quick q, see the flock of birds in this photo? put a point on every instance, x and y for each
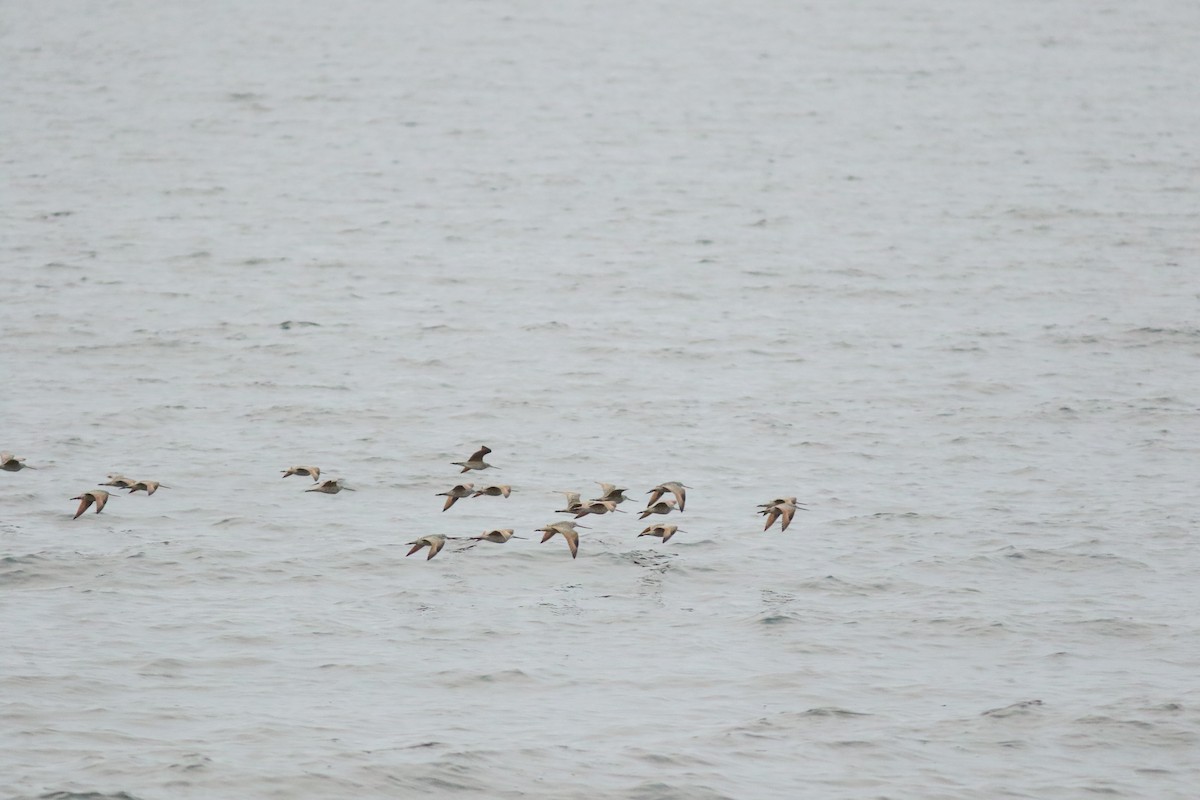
(611, 496)
(97, 497)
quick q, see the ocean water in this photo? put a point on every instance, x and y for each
(930, 266)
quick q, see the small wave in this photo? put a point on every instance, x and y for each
(192, 762)
(162, 668)
(1016, 709)
(657, 790)
(1173, 333)
(833, 711)
(1064, 559)
(1112, 626)
(1100, 719)
(1168, 707)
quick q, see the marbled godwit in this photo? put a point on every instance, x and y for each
(435, 542)
(475, 461)
(118, 480)
(596, 507)
(149, 487)
(573, 503)
(495, 491)
(11, 463)
(776, 502)
(662, 530)
(610, 491)
(781, 508)
(497, 535)
(97, 496)
(315, 472)
(331, 486)
(566, 530)
(661, 507)
(674, 487)
(458, 491)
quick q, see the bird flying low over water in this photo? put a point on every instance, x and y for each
(494, 491)
(609, 491)
(573, 503)
(661, 530)
(97, 496)
(455, 493)
(11, 463)
(497, 535)
(315, 472)
(149, 487)
(475, 461)
(776, 502)
(780, 508)
(595, 507)
(435, 542)
(331, 486)
(674, 487)
(118, 480)
(566, 530)
(661, 507)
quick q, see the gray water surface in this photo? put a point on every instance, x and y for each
(929, 266)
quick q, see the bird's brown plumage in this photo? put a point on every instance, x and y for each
(97, 496)
(674, 487)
